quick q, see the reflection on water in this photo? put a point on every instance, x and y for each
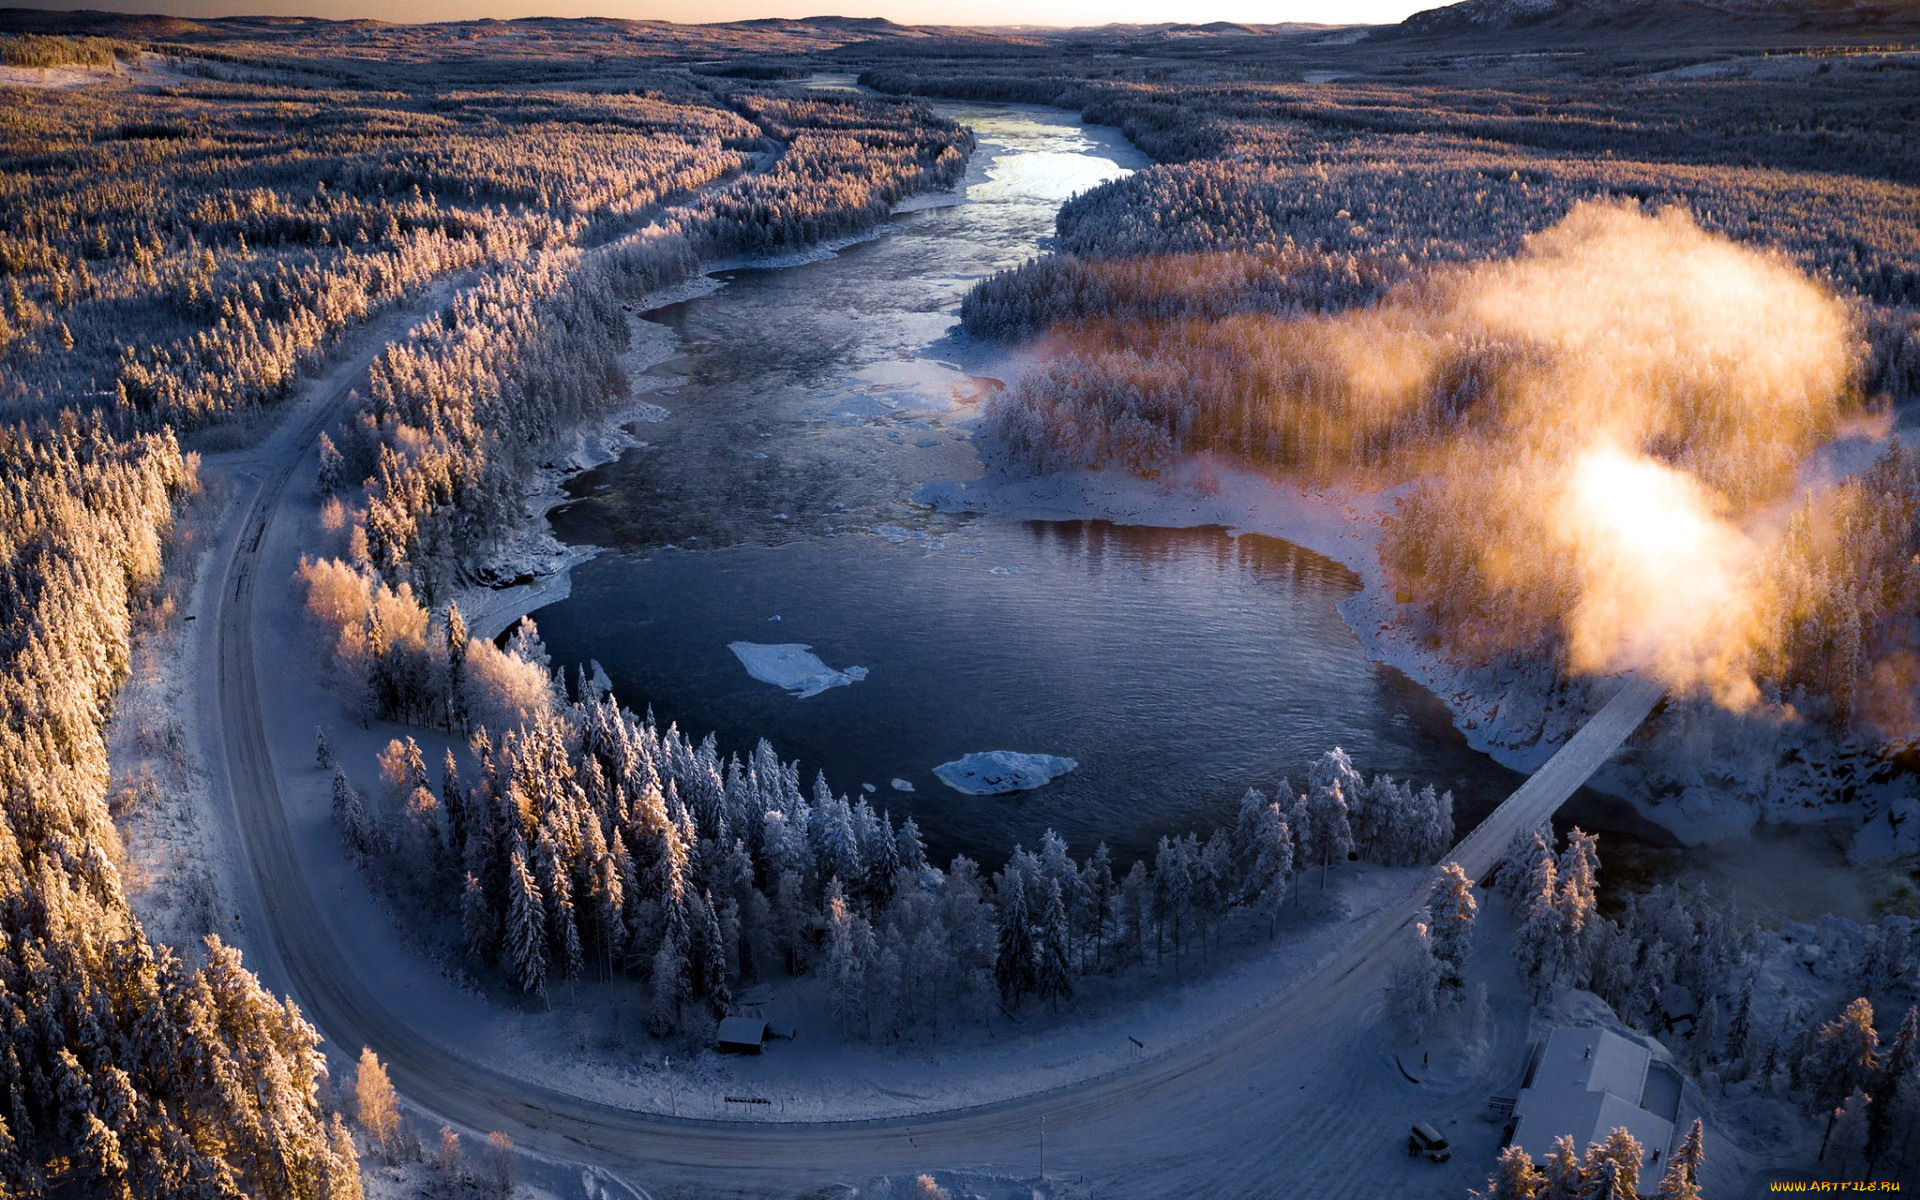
(1179, 668)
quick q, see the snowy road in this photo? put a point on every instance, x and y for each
(1143, 1131)
(1294, 1099)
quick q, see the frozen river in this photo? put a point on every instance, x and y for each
(1177, 668)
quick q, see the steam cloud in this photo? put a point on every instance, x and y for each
(1654, 391)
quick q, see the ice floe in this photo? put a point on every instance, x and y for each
(993, 772)
(794, 666)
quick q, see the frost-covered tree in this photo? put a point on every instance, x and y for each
(1413, 988)
(1842, 1060)
(1682, 1178)
(350, 816)
(1540, 943)
(1016, 967)
(1514, 1177)
(850, 951)
(1330, 782)
(1452, 906)
(376, 1104)
(1054, 975)
(526, 928)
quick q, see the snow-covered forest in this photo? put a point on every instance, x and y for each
(179, 246)
(130, 1069)
(1417, 281)
(594, 844)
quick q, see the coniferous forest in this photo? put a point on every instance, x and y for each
(1438, 278)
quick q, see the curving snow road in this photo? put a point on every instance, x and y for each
(1264, 1107)
(1155, 1121)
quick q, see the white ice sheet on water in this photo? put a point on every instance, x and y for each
(992, 772)
(794, 666)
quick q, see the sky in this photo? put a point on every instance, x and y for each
(908, 12)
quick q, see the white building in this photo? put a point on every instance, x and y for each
(1587, 1083)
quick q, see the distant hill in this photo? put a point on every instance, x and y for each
(97, 24)
(1672, 17)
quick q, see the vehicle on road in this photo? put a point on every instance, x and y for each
(1425, 1139)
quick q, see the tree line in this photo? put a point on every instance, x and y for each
(128, 1068)
(589, 843)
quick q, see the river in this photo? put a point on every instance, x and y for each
(807, 403)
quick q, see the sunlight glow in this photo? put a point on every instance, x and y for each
(1666, 582)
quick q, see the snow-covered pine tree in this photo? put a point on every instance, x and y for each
(1703, 1044)
(1538, 943)
(850, 946)
(1566, 1179)
(836, 845)
(457, 638)
(1579, 874)
(1016, 965)
(332, 471)
(1682, 1178)
(350, 816)
(1246, 841)
(479, 925)
(1895, 1087)
(1329, 782)
(526, 930)
(1843, 1060)
(911, 847)
(1739, 1050)
(1436, 817)
(1514, 1177)
(1413, 987)
(1097, 884)
(711, 956)
(1272, 866)
(669, 987)
(1514, 874)
(1054, 975)
(1453, 908)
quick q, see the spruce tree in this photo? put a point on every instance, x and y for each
(1014, 967)
(1451, 902)
(526, 931)
(1514, 1177)
(1054, 977)
(1682, 1178)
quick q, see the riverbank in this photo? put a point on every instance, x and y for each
(1698, 772)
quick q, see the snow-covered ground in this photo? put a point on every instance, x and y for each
(997, 772)
(176, 848)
